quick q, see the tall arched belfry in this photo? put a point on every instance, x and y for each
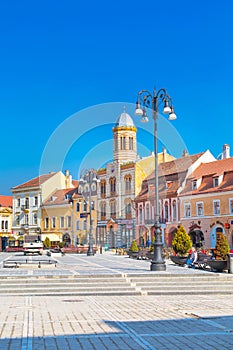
(124, 139)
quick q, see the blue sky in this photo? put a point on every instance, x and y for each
(62, 57)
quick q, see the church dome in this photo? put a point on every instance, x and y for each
(124, 120)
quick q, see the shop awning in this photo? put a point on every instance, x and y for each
(52, 236)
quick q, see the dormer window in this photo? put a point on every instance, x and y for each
(194, 185)
(168, 184)
(215, 182)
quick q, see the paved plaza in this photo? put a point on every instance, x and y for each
(113, 322)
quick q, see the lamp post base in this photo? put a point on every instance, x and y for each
(155, 266)
(158, 263)
(90, 251)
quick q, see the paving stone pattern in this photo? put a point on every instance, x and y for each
(113, 322)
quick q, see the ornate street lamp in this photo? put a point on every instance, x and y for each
(89, 178)
(144, 100)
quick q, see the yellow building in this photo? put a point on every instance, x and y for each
(57, 217)
(6, 235)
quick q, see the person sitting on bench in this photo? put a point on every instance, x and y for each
(192, 258)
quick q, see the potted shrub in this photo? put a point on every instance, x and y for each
(219, 263)
(181, 245)
(133, 250)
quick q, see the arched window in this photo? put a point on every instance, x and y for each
(113, 209)
(103, 188)
(123, 143)
(147, 211)
(103, 211)
(174, 211)
(128, 210)
(140, 214)
(77, 206)
(84, 206)
(128, 180)
(112, 182)
(166, 211)
(131, 143)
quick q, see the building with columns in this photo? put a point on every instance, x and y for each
(119, 183)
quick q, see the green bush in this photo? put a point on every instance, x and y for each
(182, 242)
(222, 247)
(134, 247)
(47, 243)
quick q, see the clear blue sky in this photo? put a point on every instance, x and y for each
(60, 57)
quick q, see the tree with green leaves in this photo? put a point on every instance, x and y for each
(47, 243)
(222, 246)
(182, 242)
(134, 247)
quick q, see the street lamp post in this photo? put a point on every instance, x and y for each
(144, 100)
(89, 178)
(90, 250)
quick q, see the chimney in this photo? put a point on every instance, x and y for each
(164, 155)
(68, 179)
(185, 153)
(225, 151)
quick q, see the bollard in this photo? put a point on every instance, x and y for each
(230, 263)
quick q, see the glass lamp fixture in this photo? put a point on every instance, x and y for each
(138, 110)
(172, 115)
(167, 108)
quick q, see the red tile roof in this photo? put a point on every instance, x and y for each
(207, 172)
(60, 197)
(171, 175)
(37, 181)
(6, 201)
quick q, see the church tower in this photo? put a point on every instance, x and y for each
(124, 138)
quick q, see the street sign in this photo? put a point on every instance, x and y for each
(83, 215)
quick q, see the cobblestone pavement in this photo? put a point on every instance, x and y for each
(88, 323)
(111, 323)
(81, 264)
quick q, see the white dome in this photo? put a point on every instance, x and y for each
(124, 120)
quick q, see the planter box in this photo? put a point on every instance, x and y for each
(217, 265)
(179, 260)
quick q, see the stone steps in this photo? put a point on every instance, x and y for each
(137, 284)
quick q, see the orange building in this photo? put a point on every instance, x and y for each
(206, 202)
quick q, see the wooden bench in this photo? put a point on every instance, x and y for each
(202, 261)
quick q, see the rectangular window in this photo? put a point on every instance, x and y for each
(68, 221)
(216, 205)
(35, 219)
(231, 206)
(36, 201)
(46, 223)
(17, 220)
(18, 202)
(187, 210)
(62, 222)
(200, 208)
(194, 184)
(77, 225)
(53, 222)
(84, 225)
